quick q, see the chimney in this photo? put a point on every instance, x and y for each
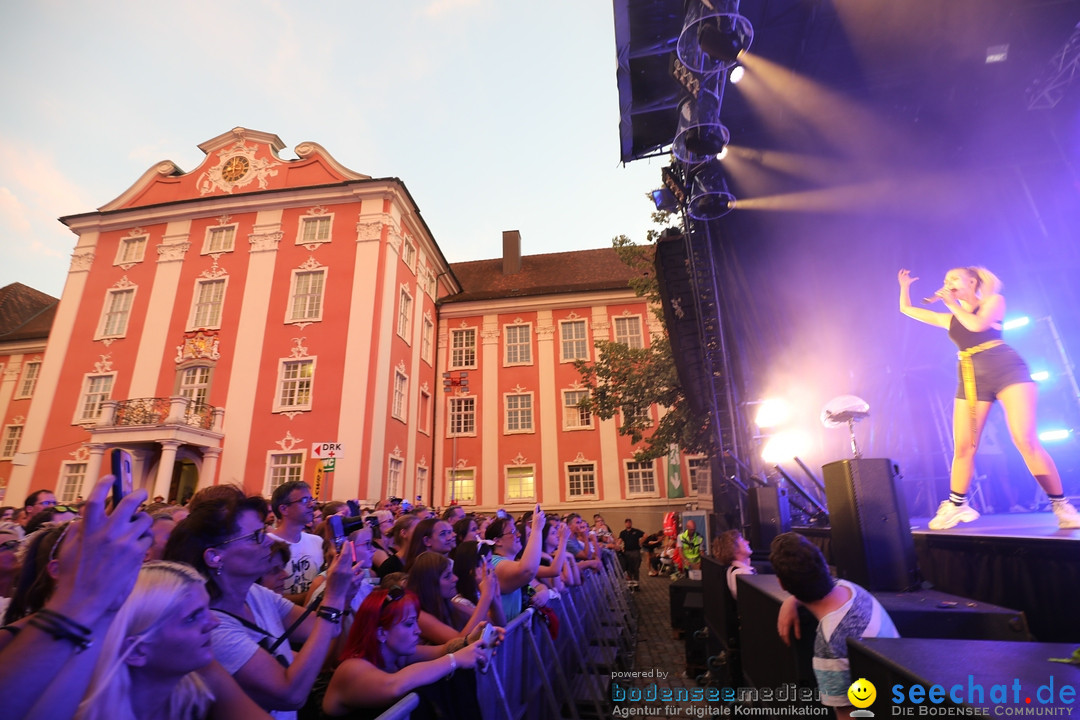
(511, 252)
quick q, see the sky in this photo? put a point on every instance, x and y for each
(496, 115)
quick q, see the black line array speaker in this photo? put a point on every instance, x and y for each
(871, 536)
(769, 515)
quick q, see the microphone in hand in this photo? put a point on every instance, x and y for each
(935, 297)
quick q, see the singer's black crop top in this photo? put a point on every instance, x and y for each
(965, 338)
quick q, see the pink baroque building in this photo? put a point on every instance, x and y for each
(223, 324)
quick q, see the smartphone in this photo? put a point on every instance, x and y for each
(337, 527)
(487, 639)
(500, 513)
(354, 507)
(122, 477)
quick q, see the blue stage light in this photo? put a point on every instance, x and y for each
(1040, 376)
(1015, 323)
(1056, 435)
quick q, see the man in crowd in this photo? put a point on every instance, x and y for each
(630, 539)
(36, 502)
(294, 507)
(690, 546)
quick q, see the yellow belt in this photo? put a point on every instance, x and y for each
(967, 372)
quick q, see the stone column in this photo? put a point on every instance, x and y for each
(165, 468)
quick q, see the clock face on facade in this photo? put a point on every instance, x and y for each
(235, 168)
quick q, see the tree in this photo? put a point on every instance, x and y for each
(629, 380)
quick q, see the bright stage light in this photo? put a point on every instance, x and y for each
(1040, 376)
(1015, 323)
(736, 74)
(784, 446)
(1054, 435)
(772, 412)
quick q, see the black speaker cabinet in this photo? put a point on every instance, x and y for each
(871, 536)
(769, 514)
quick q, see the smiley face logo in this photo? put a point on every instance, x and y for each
(862, 693)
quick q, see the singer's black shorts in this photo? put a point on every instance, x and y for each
(995, 369)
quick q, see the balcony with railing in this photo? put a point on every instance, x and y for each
(175, 417)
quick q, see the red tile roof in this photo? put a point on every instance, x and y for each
(550, 274)
(25, 313)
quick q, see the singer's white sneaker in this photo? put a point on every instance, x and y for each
(949, 515)
(1067, 516)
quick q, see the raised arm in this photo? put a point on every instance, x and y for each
(991, 312)
(921, 314)
(513, 574)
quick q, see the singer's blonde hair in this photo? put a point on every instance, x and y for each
(986, 282)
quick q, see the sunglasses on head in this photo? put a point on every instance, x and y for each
(395, 593)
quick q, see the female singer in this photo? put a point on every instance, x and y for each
(989, 370)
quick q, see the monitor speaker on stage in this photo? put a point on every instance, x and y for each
(769, 515)
(871, 536)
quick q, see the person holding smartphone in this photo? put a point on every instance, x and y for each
(514, 574)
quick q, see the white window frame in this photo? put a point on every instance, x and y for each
(510, 497)
(628, 339)
(199, 391)
(427, 338)
(645, 411)
(525, 347)
(408, 254)
(454, 483)
(423, 421)
(108, 311)
(395, 475)
(570, 470)
(284, 363)
(632, 466)
(212, 232)
(567, 407)
(290, 474)
(139, 242)
(290, 311)
(421, 478)
(405, 313)
(399, 401)
(22, 392)
(80, 417)
(306, 220)
(9, 441)
(193, 318)
(694, 467)
(463, 350)
(564, 357)
(70, 482)
(450, 412)
(508, 398)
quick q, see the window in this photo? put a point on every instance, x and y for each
(219, 239)
(575, 417)
(640, 478)
(421, 478)
(463, 485)
(114, 318)
(628, 331)
(131, 250)
(404, 320)
(408, 253)
(28, 384)
(575, 345)
(283, 468)
(12, 435)
(463, 348)
(401, 389)
(315, 229)
(582, 479)
(520, 483)
(518, 345)
(209, 297)
(307, 295)
(72, 475)
(519, 417)
(426, 338)
(195, 383)
(424, 421)
(700, 473)
(637, 416)
(294, 385)
(462, 416)
(96, 390)
(393, 477)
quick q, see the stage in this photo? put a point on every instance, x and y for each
(1021, 561)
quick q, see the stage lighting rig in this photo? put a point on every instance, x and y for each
(709, 195)
(714, 35)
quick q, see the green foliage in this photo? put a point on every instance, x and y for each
(627, 380)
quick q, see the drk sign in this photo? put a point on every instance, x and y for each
(326, 450)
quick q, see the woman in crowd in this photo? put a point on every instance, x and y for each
(514, 574)
(434, 583)
(400, 535)
(383, 661)
(557, 569)
(430, 534)
(471, 564)
(35, 580)
(582, 544)
(156, 660)
(380, 536)
(466, 530)
(733, 550)
(227, 542)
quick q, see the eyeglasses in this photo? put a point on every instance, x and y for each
(257, 536)
(9, 545)
(394, 593)
(46, 503)
(306, 501)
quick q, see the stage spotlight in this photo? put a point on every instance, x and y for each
(709, 198)
(712, 40)
(664, 200)
(772, 412)
(1040, 376)
(736, 74)
(722, 154)
(784, 446)
(1054, 435)
(699, 135)
(1015, 323)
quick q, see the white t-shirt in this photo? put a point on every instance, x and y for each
(305, 562)
(235, 643)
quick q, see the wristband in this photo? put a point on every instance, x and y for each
(453, 663)
(330, 614)
(62, 627)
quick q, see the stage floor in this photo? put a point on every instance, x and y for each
(1031, 525)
